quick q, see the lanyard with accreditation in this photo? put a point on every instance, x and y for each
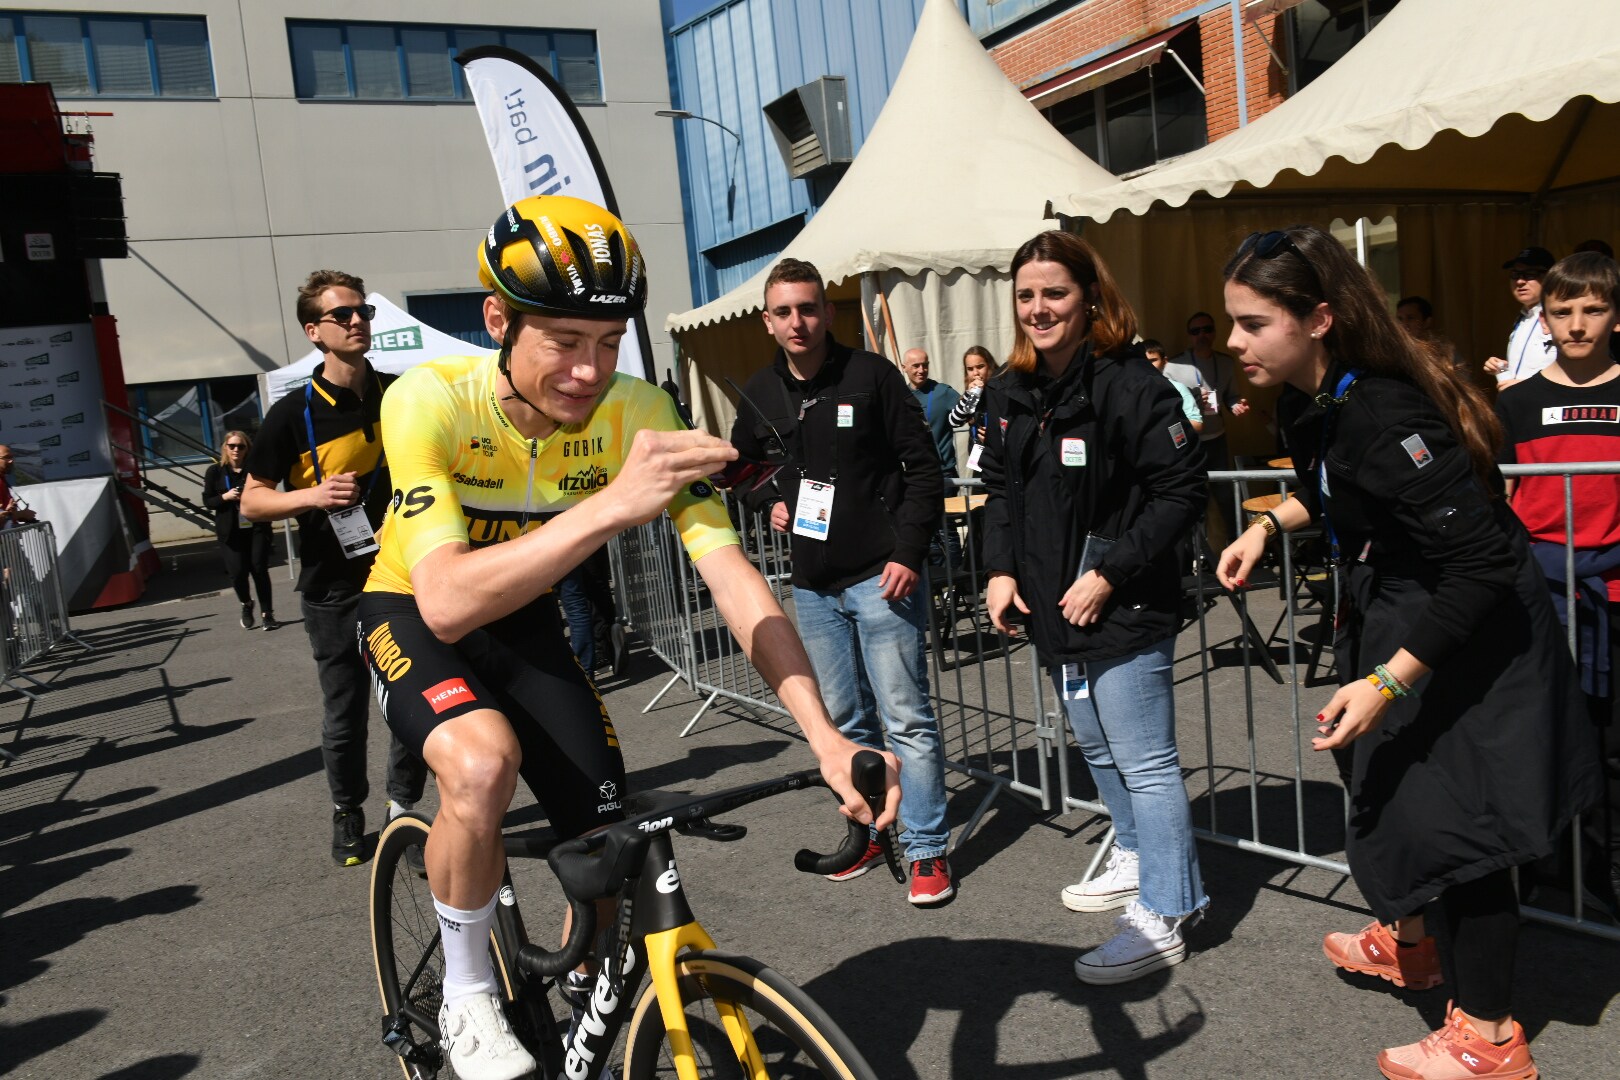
(354, 533)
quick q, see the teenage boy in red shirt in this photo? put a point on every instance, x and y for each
(1569, 412)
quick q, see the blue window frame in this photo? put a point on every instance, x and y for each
(410, 61)
(122, 56)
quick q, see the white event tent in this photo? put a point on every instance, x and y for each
(1478, 126)
(953, 177)
(399, 341)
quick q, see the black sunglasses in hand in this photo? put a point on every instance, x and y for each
(344, 315)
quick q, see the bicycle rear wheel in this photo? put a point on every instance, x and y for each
(796, 1039)
(406, 947)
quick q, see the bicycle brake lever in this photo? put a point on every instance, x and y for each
(868, 775)
(886, 841)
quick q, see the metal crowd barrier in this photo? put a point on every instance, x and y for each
(1262, 790)
(33, 610)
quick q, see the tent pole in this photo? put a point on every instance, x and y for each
(866, 315)
(888, 322)
(1583, 111)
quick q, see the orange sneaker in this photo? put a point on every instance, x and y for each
(1459, 1052)
(1374, 951)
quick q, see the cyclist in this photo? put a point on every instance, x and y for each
(508, 471)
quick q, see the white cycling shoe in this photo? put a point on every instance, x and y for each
(478, 1042)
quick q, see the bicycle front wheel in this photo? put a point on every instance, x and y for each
(405, 944)
(795, 1038)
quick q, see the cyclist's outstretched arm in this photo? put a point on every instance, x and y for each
(459, 588)
(772, 644)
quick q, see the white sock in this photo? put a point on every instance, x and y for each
(396, 808)
(467, 969)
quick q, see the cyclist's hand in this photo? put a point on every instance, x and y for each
(659, 465)
(835, 769)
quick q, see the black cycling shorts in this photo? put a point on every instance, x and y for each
(519, 665)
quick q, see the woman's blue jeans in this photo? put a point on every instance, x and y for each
(1127, 730)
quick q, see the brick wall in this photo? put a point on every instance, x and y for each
(1099, 24)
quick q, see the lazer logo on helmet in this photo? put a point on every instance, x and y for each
(609, 298)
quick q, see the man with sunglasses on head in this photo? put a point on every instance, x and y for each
(324, 446)
(1530, 347)
(1208, 374)
(508, 471)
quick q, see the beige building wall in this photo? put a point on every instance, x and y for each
(231, 201)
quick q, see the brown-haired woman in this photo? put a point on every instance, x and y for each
(1087, 450)
(244, 545)
(978, 368)
(1467, 754)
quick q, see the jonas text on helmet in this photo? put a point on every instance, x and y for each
(542, 170)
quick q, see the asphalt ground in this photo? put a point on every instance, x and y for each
(168, 907)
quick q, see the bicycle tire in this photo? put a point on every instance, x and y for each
(405, 935)
(796, 1038)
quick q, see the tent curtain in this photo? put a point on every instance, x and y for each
(1452, 253)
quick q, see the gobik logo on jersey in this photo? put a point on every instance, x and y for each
(610, 796)
(589, 478)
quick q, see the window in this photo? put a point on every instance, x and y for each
(202, 412)
(107, 55)
(1131, 123)
(459, 314)
(385, 62)
(1325, 30)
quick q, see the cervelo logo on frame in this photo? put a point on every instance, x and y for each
(449, 693)
(604, 1002)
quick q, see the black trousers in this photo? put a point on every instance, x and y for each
(247, 554)
(1478, 939)
(333, 629)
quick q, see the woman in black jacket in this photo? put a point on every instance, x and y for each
(245, 545)
(1093, 478)
(1459, 707)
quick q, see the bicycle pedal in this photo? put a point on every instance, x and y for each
(425, 1059)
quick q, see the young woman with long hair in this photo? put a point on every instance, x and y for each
(978, 368)
(243, 544)
(1093, 478)
(1459, 717)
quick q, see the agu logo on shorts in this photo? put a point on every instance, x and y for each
(449, 693)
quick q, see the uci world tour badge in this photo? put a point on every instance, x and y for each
(1417, 450)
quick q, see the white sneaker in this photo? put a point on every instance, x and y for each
(1145, 943)
(1115, 887)
(478, 1042)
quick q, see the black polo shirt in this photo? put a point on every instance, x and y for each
(348, 437)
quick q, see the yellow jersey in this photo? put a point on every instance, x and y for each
(462, 473)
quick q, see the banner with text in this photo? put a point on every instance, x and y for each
(50, 402)
(541, 147)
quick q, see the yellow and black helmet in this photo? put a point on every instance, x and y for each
(557, 255)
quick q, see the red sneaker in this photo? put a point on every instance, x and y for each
(872, 857)
(931, 882)
(1374, 951)
(1459, 1052)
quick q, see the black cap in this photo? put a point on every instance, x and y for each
(1531, 256)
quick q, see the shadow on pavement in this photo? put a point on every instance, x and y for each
(39, 932)
(1003, 971)
(158, 1068)
(20, 1042)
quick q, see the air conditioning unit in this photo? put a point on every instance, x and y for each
(811, 127)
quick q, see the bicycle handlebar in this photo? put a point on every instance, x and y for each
(597, 865)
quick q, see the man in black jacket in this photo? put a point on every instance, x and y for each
(861, 497)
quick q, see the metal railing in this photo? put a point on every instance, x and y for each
(1259, 792)
(149, 490)
(33, 609)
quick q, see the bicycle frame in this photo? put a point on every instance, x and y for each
(661, 927)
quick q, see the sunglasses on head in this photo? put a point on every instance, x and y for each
(1269, 245)
(345, 314)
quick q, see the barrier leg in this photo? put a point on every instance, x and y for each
(692, 723)
(673, 679)
(1103, 849)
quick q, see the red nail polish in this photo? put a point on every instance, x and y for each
(1241, 582)
(1321, 716)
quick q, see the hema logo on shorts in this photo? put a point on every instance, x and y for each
(447, 694)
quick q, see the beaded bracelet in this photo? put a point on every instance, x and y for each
(1400, 688)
